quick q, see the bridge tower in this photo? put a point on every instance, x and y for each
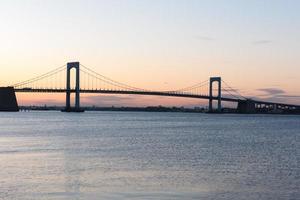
(211, 97)
(77, 108)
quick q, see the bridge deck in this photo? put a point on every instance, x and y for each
(156, 93)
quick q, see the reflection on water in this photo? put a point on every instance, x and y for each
(127, 155)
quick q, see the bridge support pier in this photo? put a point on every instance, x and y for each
(211, 81)
(77, 108)
(8, 100)
(246, 107)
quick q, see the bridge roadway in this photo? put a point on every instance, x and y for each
(156, 93)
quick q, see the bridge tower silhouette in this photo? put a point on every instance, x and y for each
(211, 97)
(70, 66)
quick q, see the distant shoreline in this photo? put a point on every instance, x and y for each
(137, 109)
(148, 109)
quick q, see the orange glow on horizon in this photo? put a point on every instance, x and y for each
(39, 99)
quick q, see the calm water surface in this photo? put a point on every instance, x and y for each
(137, 155)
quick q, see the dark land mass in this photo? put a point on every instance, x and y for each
(136, 109)
(156, 109)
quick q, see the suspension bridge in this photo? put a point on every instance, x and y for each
(87, 80)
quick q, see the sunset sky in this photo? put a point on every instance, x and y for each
(161, 45)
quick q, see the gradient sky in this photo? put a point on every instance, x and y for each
(167, 44)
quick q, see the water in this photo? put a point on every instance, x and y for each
(137, 155)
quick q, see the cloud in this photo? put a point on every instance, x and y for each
(272, 91)
(138, 101)
(232, 90)
(204, 38)
(262, 42)
(288, 96)
(277, 95)
(108, 100)
(41, 101)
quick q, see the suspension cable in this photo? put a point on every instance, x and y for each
(112, 81)
(45, 75)
(233, 90)
(203, 83)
